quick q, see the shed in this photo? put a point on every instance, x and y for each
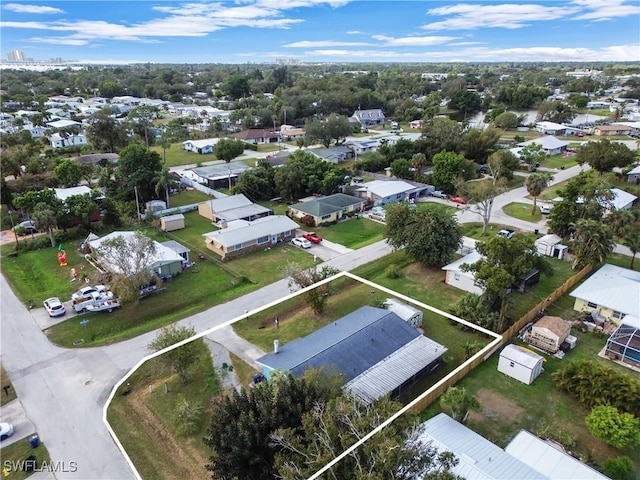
(520, 363)
(548, 333)
(172, 222)
(528, 280)
(633, 176)
(178, 248)
(156, 206)
(409, 314)
(551, 246)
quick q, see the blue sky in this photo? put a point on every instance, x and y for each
(323, 30)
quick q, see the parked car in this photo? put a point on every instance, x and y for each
(54, 307)
(545, 209)
(506, 233)
(301, 242)
(86, 292)
(438, 194)
(460, 200)
(312, 237)
(26, 227)
(6, 430)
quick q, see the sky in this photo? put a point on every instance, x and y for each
(311, 31)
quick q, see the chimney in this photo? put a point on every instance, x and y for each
(276, 346)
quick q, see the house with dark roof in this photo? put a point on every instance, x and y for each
(258, 136)
(220, 175)
(337, 154)
(373, 350)
(374, 116)
(223, 210)
(327, 209)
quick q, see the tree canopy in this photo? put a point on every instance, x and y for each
(227, 149)
(448, 168)
(620, 430)
(137, 168)
(604, 155)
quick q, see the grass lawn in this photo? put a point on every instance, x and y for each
(624, 261)
(177, 155)
(18, 452)
(510, 134)
(278, 208)
(353, 233)
(558, 161)
(191, 236)
(156, 446)
(4, 381)
(552, 192)
(522, 211)
(267, 266)
(622, 183)
(474, 230)
(269, 147)
(187, 197)
(244, 372)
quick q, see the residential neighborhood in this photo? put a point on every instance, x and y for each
(438, 251)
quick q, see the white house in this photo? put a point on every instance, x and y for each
(381, 192)
(621, 200)
(63, 124)
(409, 314)
(551, 245)
(58, 141)
(36, 131)
(634, 175)
(201, 146)
(463, 280)
(520, 363)
(63, 193)
(550, 144)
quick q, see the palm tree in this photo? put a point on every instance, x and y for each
(536, 184)
(620, 222)
(632, 241)
(165, 143)
(45, 219)
(418, 161)
(163, 180)
(593, 242)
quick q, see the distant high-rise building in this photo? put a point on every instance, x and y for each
(16, 56)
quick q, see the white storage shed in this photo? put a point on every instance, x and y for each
(409, 314)
(551, 245)
(170, 223)
(520, 363)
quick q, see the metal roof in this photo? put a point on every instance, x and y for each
(245, 231)
(470, 259)
(479, 459)
(403, 310)
(521, 356)
(387, 188)
(227, 203)
(547, 143)
(547, 459)
(175, 246)
(64, 193)
(221, 170)
(350, 345)
(392, 371)
(612, 287)
(327, 205)
(207, 142)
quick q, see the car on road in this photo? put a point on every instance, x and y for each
(301, 242)
(438, 194)
(506, 233)
(459, 200)
(6, 430)
(545, 209)
(54, 307)
(312, 237)
(26, 227)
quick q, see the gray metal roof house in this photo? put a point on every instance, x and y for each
(337, 154)
(372, 349)
(328, 209)
(234, 207)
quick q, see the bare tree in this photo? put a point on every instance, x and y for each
(300, 278)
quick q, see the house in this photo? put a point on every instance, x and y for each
(381, 192)
(289, 132)
(551, 245)
(64, 124)
(373, 350)
(36, 131)
(612, 292)
(624, 344)
(221, 211)
(178, 248)
(337, 154)
(633, 176)
(63, 193)
(458, 278)
(257, 136)
(415, 124)
(478, 458)
(363, 146)
(59, 141)
(327, 209)
(551, 128)
(276, 159)
(220, 175)
(550, 144)
(549, 459)
(548, 333)
(409, 314)
(242, 236)
(170, 223)
(165, 262)
(367, 118)
(611, 130)
(520, 363)
(201, 146)
(621, 200)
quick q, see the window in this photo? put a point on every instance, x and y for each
(326, 217)
(262, 240)
(456, 276)
(591, 305)
(237, 247)
(511, 364)
(617, 315)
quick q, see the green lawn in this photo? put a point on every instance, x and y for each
(278, 208)
(552, 192)
(19, 451)
(177, 155)
(191, 236)
(269, 147)
(622, 183)
(558, 161)
(353, 233)
(624, 261)
(267, 266)
(522, 211)
(187, 197)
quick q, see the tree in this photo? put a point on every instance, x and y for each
(457, 402)
(532, 155)
(448, 167)
(331, 427)
(506, 120)
(164, 180)
(418, 162)
(227, 149)
(620, 430)
(536, 183)
(430, 237)
(480, 195)
(241, 423)
(503, 261)
(136, 169)
(555, 111)
(180, 359)
(618, 468)
(338, 128)
(478, 144)
(305, 277)
(44, 218)
(83, 207)
(315, 130)
(621, 222)
(604, 155)
(401, 168)
(129, 257)
(502, 164)
(441, 134)
(141, 120)
(592, 242)
(237, 86)
(632, 242)
(105, 133)
(465, 101)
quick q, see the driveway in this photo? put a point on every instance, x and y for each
(14, 413)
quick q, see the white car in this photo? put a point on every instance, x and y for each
(301, 242)
(54, 307)
(6, 430)
(85, 292)
(545, 209)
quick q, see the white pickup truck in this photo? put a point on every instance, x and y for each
(506, 233)
(86, 303)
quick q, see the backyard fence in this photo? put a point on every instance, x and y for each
(202, 188)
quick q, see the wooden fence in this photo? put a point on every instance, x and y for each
(511, 332)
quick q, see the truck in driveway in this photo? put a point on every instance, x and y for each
(108, 305)
(90, 301)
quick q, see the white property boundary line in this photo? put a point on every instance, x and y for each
(486, 352)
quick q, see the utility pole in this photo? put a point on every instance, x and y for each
(135, 189)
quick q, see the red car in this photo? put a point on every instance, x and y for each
(312, 237)
(460, 200)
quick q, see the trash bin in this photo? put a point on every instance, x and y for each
(34, 441)
(536, 231)
(30, 464)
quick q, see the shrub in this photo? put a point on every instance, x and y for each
(308, 221)
(251, 146)
(618, 468)
(393, 271)
(617, 429)
(186, 415)
(61, 236)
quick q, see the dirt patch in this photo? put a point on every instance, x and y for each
(179, 459)
(494, 405)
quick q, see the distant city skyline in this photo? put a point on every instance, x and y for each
(323, 31)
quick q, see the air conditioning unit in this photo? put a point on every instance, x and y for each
(571, 340)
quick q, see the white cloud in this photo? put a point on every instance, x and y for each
(510, 16)
(355, 32)
(23, 8)
(599, 11)
(77, 42)
(413, 41)
(325, 43)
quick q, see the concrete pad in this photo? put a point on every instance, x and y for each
(43, 319)
(336, 247)
(14, 413)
